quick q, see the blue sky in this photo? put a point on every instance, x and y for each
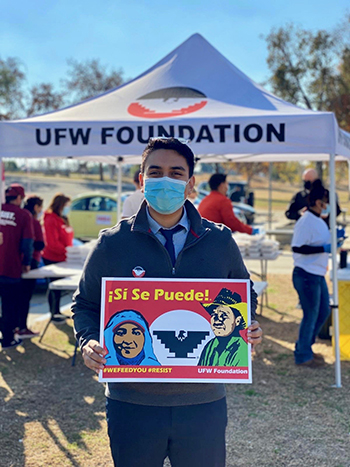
(135, 34)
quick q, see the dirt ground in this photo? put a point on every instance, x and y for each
(52, 414)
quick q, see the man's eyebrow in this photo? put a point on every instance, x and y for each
(154, 167)
(172, 168)
(178, 167)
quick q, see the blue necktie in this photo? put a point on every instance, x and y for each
(169, 244)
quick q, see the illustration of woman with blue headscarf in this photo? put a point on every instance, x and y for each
(128, 340)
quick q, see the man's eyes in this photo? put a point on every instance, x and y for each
(158, 173)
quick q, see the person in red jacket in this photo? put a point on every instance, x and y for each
(33, 204)
(217, 207)
(57, 236)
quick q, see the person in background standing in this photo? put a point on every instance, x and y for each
(133, 202)
(311, 246)
(16, 247)
(34, 204)
(57, 236)
(217, 207)
(300, 201)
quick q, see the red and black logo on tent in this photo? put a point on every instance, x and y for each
(168, 102)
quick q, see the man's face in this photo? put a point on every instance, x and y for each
(167, 163)
(309, 176)
(223, 187)
(321, 204)
(19, 201)
(129, 339)
(223, 321)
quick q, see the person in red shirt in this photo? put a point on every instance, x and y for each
(34, 204)
(57, 236)
(16, 246)
(217, 207)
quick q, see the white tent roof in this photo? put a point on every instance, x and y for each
(195, 93)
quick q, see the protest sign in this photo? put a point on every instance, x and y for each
(175, 330)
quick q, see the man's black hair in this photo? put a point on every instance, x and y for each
(172, 144)
(8, 199)
(215, 181)
(238, 314)
(32, 201)
(318, 191)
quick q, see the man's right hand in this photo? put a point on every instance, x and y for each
(93, 355)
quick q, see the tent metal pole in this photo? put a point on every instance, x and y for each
(335, 306)
(270, 196)
(29, 186)
(119, 203)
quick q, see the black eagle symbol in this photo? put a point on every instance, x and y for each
(183, 343)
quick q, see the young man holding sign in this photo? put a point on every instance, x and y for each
(167, 238)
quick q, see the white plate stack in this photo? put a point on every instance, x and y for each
(256, 246)
(269, 249)
(243, 245)
(253, 251)
(78, 254)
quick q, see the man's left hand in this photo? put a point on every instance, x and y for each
(254, 334)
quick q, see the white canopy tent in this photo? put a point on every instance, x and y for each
(194, 93)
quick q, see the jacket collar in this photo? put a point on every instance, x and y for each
(140, 221)
(313, 212)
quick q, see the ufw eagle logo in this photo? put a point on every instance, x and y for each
(182, 344)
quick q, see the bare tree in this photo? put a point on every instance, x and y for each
(308, 67)
(88, 79)
(43, 98)
(12, 78)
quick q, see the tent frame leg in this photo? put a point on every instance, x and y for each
(335, 307)
(119, 189)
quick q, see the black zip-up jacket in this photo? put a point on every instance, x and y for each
(209, 252)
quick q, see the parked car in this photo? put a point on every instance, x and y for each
(244, 212)
(91, 212)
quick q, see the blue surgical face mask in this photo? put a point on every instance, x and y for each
(165, 195)
(65, 211)
(326, 211)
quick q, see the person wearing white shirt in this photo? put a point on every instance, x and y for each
(311, 246)
(133, 202)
